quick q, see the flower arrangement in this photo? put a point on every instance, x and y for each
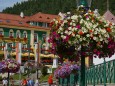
(9, 65)
(83, 28)
(65, 70)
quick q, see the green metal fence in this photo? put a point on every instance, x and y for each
(101, 74)
(71, 80)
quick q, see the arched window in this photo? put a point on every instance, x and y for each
(35, 37)
(1, 46)
(24, 34)
(18, 34)
(1, 32)
(11, 33)
(44, 37)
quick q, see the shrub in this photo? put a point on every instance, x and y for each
(44, 70)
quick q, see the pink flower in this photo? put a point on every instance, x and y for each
(78, 26)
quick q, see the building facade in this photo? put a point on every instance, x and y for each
(21, 36)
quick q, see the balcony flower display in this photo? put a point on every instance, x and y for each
(83, 28)
(10, 66)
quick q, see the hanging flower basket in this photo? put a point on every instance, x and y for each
(9, 65)
(82, 29)
(65, 70)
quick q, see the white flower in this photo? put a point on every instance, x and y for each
(80, 39)
(56, 22)
(74, 24)
(74, 17)
(87, 18)
(69, 32)
(84, 38)
(78, 36)
(68, 12)
(87, 35)
(69, 28)
(66, 31)
(70, 23)
(95, 32)
(68, 17)
(94, 38)
(101, 39)
(81, 21)
(61, 28)
(73, 34)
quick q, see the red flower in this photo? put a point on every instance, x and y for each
(80, 33)
(108, 29)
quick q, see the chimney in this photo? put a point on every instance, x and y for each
(22, 14)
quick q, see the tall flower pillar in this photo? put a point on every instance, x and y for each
(55, 62)
(37, 55)
(37, 52)
(18, 52)
(5, 50)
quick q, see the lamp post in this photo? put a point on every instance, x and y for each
(9, 56)
(28, 56)
(86, 4)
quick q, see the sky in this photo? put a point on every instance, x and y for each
(9, 3)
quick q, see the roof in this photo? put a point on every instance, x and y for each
(109, 16)
(41, 17)
(17, 20)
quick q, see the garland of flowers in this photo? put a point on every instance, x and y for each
(82, 28)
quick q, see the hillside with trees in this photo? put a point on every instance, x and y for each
(31, 7)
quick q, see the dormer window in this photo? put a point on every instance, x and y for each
(18, 34)
(35, 37)
(40, 17)
(11, 34)
(48, 17)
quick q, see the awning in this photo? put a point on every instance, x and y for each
(48, 56)
(1, 52)
(27, 54)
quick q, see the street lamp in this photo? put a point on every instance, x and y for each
(9, 56)
(87, 5)
(28, 56)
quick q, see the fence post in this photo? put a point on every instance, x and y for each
(114, 70)
(104, 72)
(93, 75)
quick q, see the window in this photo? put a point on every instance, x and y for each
(18, 34)
(35, 37)
(1, 32)
(41, 24)
(24, 46)
(44, 37)
(10, 45)
(11, 34)
(25, 34)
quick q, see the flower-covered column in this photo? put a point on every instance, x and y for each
(18, 52)
(5, 50)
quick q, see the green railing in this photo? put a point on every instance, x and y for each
(101, 74)
(71, 80)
